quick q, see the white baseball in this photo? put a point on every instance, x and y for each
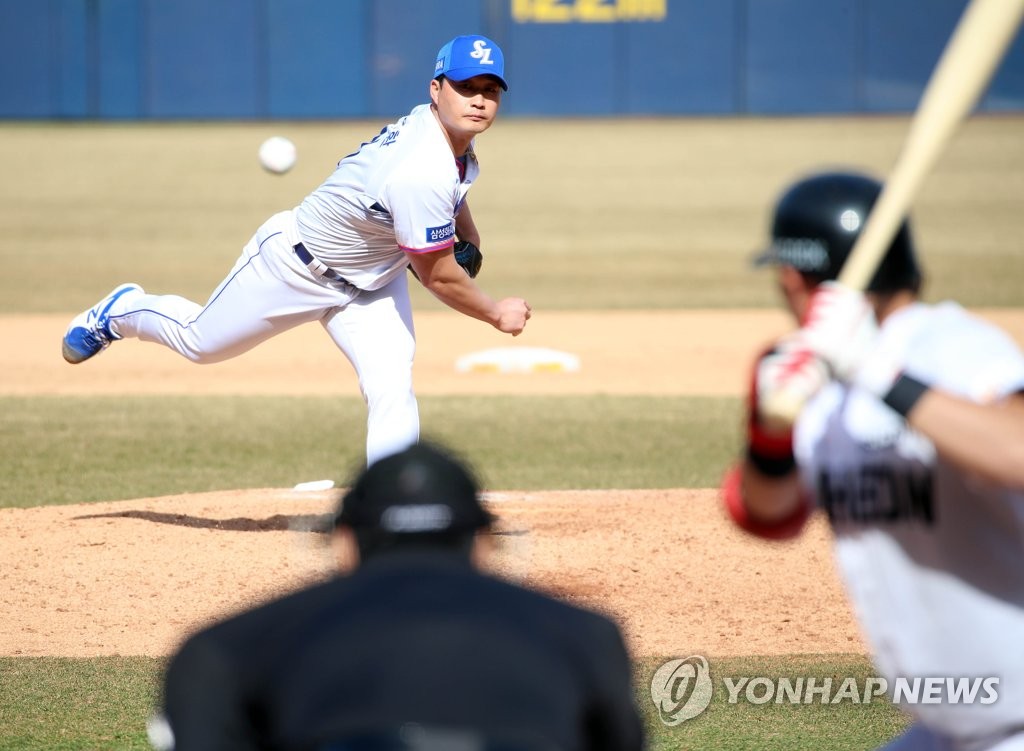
(277, 154)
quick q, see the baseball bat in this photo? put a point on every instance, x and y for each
(961, 75)
(968, 62)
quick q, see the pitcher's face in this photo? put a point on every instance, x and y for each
(466, 108)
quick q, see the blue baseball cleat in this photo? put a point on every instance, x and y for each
(89, 332)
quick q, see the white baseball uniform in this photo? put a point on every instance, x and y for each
(338, 258)
(932, 557)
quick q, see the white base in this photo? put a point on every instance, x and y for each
(314, 485)
(518, 360)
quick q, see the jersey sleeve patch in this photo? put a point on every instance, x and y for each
(443, 233)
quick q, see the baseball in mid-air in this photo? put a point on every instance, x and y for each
(277, 155)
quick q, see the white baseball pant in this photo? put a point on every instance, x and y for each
(269, 291)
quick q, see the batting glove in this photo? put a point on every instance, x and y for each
(786, 378)
(842, 331)
(840, 328)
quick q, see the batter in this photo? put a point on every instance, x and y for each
(911, 440)
(340, 257)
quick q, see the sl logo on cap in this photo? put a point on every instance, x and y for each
(481, 52)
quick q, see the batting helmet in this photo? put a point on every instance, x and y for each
(819, 218)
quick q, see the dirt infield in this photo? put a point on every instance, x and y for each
(133, 577)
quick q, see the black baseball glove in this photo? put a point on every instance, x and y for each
(469, 257)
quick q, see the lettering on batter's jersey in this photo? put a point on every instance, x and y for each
(877, 493)
(439, 234)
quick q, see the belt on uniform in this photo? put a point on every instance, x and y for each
(316, 266)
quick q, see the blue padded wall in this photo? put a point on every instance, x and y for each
(203, 59)
(265, 59)
(317, 58)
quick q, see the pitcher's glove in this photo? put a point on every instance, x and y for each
(469, 257)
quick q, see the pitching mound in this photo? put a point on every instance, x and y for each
(134, 577)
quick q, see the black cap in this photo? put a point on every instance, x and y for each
(421, 491)
(817, 221)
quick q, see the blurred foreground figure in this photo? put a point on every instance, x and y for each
(910, 435)
(416, 648)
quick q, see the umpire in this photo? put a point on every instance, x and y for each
(415, 649)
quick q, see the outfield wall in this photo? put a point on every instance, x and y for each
(299, 59)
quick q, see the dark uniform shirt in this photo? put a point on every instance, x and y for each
(408, 641)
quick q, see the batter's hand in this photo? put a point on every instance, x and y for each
(785, 380)
(513, 313)
(840, 328)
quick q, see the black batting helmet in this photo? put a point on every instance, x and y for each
(819, 218)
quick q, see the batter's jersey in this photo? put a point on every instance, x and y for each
(399, 192)
(933, 557)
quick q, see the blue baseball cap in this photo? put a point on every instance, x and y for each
(468, 56)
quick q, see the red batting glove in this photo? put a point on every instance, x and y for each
(781, 529)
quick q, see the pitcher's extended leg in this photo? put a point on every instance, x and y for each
(376, 333)
(267, 292)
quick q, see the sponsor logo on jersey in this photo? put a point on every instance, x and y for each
(439, 234)
(876, 493)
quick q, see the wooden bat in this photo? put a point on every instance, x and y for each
(968, 62)
(977, 45)
(961, 76)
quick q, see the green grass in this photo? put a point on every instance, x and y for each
(78, 449)
(57, 703)
(65, 704)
